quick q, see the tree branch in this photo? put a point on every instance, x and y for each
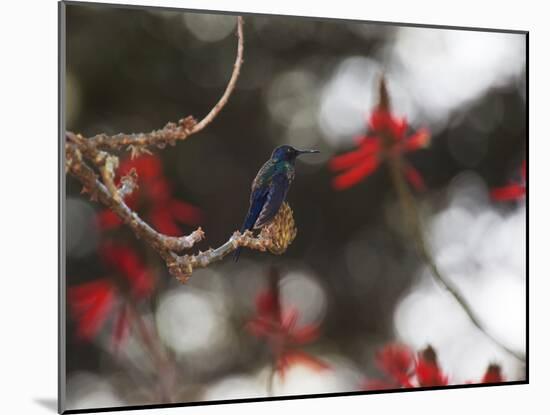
(183, 266)
(185, 127)
(275, 237)
(98, 191)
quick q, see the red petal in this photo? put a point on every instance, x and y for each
(86, 293)
(414, 178)
(266, 304)
(356, 174)
(367, 148)
(363, 139)
(418, 140)
(493, 374)
(524, 170)
(511, 192)
(429, 374)
(305, 334)
(130, 266)
(380, 120)
(92, 317)
(399, 128)
(396, 360)
(281, 366)
(159, 191)
(164, 222)
(121, 328)
(142, 283)
(289, 319)
(185, 213)
(383, 121)
(107, 219)
(147, 166)
(377, 384)
(347, 160)
(122, 258)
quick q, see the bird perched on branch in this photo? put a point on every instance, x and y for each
(270, 187)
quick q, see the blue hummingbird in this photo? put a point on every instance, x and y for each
(270, 187)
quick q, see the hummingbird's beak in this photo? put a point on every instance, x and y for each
(307, 151)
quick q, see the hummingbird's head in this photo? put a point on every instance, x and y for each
(288, 153)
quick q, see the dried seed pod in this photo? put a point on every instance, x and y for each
(281, 231)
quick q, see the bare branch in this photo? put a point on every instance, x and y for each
(172, 132)
(137, 143)
(98, 191)
(276, 237)
(182, 267)
(231, 84)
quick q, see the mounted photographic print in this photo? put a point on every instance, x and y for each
(259, 206)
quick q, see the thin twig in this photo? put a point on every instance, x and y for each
(410, 211)
(231, 84)
(151, 340)
(275, 289)
(89, 179)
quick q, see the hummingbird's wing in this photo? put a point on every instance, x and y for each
(262, 179)
(276, 195)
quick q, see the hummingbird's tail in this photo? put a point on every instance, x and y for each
(248, 224)
(237, 254)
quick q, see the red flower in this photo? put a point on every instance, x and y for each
(93, 303)
(280, 330)
(493, 374)
(155, 196)
(387, 138)
(428, 372)
(396, 361)
(513, 191)
(404, 371)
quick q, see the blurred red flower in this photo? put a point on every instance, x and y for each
(155, 197)
(396, 361)
(493, 374)
(387, 138)
(403, 370)
(280, 331)
(93, 303)
(428, 372)
(512, 191)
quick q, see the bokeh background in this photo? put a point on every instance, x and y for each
(309, 83)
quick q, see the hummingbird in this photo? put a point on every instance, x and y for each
(270, 187)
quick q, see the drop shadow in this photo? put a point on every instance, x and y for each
(48, 403)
